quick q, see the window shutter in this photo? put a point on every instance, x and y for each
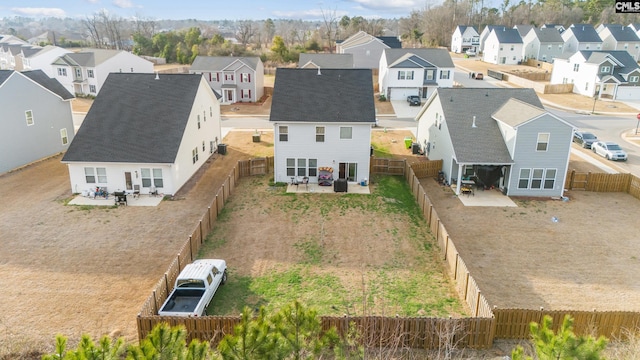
(241, 78)
(209, 77)
(249, 93)
(249, 77)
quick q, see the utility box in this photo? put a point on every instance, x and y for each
(256, 137)
(415, 148)
(340, 185)
(222, 149)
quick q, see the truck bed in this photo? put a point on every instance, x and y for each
(182, 301)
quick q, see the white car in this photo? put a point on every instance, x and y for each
(609, 150)
(470, 52)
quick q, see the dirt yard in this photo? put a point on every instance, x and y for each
(72, 270)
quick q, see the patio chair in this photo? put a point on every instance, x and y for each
(136, 191)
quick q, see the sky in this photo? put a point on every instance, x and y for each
(213, 9)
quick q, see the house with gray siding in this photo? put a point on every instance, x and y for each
(145, 131)
(322, 119)
(581, 37)
(34, 126)
(367, 49)
(500, 138)
(237, 79)
(542, 44)
(619, 37)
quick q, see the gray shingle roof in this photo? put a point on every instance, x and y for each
(217, 63)
(622, 33)
(627, 61)
(508, 36)
(438, 57)
(336, 95)
(391, 41)
(327, 61)
(136, 119)
(483, 144)
(585, 33)
(87, 57)
(523, 29)
(48, 83)
(463, 28)
(4, 75)
(548, 35)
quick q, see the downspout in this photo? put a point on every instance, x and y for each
(459, 182)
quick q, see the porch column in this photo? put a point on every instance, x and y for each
(459, 182)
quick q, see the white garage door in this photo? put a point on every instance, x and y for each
(628, 93)
(401, 94)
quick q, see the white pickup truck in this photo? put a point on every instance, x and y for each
(195, 286)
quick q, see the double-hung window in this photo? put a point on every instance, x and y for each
(319, 133)
(543, 142)
(151, 177)
(283, 133)
(29, 117)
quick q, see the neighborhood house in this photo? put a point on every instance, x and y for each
(322, 121)
(237, 79)
(163, 129)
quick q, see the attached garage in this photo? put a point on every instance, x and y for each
(401, 93)
(628, 93)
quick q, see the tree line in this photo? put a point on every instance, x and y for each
(282, 40)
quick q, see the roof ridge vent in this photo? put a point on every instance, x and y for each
(473, 125)
(157, 76)
(319, 73)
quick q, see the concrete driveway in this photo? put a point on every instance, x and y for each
(403, 110)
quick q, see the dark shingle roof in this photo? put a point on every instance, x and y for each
(483, 144)
(50, 84)
(463, 28)
(548, 35)
(622, 56)
(327, 61)
(585, 33)
(336, 95)
(435, 56)
(391, 41)
(4, 75)
(523, 29)
(622, 33)
(508, 36)
(136, 118)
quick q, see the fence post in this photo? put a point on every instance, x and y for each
(178, 256)
(201, 234)
(166, 283)
(209, 217)
(446, 249)
(466, 285)
(478, 302)
(572, 177)
(191, 247)
(155, 303)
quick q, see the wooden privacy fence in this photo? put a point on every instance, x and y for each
(375, 331)
(258, 166)
(514, 323)
(424, 169)
(383, 166)
(478, 331)
(602, 182)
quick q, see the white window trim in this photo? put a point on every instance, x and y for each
(539, 141)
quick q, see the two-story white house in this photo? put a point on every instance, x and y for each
(581, 37)
(42, 58)
(503, 46)
(619, 37)
(237, 79)
(84, 72)
(505, 140)
(607, 74)
(485, 34)
(145, 131)
(465, 38)
(36, 118)
(542, 44)
(405, 72)
(322, 119)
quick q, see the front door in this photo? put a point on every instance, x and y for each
(228, 95)
(127, 180)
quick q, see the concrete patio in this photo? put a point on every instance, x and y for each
(352, 188)
(141, 200)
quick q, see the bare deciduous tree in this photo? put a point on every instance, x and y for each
(246, 31)
(330, 21)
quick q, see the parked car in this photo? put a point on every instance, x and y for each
(414, 100)
(609, 150)
(584, 138)
(478, 76)
(470, 52)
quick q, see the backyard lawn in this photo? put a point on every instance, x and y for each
(339, 253)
